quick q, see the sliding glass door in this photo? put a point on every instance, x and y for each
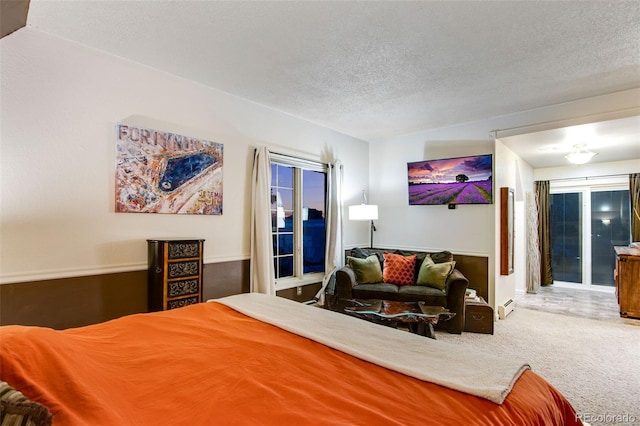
(610, 226)
(586, 222)
(566, 236)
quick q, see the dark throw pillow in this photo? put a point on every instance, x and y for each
(443, 256)
(17, 409)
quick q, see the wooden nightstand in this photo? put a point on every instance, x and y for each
(627, 277)
(478, 316)
(175, 273)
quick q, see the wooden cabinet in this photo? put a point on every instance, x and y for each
(478, 316)
(175, 273)
(627, 276)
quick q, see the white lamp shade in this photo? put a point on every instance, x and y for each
(363, 212)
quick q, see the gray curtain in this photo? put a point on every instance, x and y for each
(544, 231)
(634, 195)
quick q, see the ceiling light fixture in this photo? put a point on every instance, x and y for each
(579, 155)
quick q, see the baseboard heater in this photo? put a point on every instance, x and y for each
(505, 309)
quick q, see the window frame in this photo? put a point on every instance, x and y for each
(299, 278)
(587, 186)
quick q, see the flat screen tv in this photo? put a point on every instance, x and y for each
(461, 180)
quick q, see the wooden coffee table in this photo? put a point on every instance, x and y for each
(418, 316)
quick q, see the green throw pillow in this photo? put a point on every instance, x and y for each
(368, 271)
(435, 274)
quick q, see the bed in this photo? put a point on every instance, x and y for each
(257, 359)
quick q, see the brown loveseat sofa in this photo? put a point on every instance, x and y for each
(451, 295)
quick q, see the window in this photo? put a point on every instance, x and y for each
(566, 236)
(298, 200)
(587, 219)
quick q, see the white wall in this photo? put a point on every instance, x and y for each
(471, 229)
(60, 102)
(514, 173)
(466, 229)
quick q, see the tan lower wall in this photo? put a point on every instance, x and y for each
(78, 301)
(308, 293)
(476, 269)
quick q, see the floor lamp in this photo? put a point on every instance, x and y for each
(364, 212)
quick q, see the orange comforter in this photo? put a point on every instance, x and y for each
(208, 364)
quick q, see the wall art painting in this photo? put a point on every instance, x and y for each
(506, 230)
(161, 172)
(461, 180)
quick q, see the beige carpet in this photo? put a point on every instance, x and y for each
(594, 363)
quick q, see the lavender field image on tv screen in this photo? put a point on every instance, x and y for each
(464, 180)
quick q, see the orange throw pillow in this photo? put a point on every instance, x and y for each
(399, 269)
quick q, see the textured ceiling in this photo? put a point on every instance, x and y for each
(373, 70)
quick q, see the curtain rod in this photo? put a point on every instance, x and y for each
(294, 158)
(301, 160)
(588, 177)
(565, 120)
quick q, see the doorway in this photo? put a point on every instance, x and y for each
(587, 219)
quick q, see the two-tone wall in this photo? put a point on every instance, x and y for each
(474, 229)
(64, 252)
(66, 258)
